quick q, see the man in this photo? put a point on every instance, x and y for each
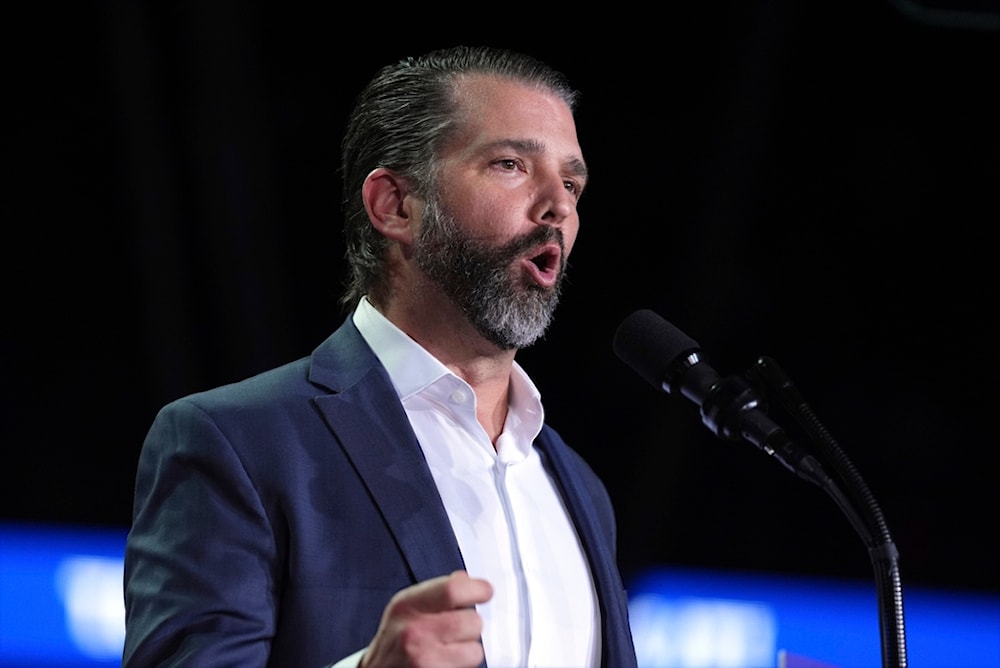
(395, 498)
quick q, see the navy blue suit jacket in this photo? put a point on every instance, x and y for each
(275, 517)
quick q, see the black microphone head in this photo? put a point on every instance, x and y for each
(652, 346)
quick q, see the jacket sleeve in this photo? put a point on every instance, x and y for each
(200, 581)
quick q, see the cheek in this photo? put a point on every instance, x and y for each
(490, 215)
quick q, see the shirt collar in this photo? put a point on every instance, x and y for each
(412, 369)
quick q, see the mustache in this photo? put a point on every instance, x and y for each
(541, 235)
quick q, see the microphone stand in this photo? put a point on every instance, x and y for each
(858, 504)
(731, 409)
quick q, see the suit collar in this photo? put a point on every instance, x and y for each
(364, 414)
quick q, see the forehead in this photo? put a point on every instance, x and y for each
(492, 109)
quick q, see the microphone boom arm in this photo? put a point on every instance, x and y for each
(870, 525)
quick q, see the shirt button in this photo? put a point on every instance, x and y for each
(458, 396)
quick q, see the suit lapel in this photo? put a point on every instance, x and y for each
(369, 423)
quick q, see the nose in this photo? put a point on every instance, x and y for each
(554, 203)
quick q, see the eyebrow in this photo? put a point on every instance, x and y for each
(576, 166)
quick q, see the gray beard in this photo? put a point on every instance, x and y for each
(509, 312)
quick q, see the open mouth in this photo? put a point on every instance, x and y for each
(544, 266)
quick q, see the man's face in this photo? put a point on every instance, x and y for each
(499, 228)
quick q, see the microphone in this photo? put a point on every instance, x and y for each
(671, 361)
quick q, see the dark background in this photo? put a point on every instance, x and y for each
(816, 182)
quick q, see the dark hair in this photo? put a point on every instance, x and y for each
(399, 121)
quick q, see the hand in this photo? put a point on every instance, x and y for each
(432, 624)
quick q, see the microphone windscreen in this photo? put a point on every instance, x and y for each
(651, 345)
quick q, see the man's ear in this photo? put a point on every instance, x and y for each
(389, 204)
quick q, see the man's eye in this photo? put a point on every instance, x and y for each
(573, 187)
(507, 163)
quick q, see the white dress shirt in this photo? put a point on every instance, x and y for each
(510, 521)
